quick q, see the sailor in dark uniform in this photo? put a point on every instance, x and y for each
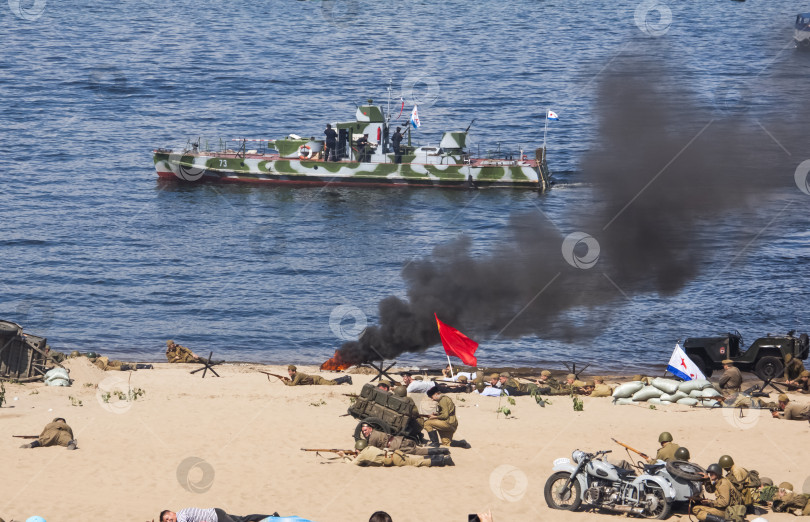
(396, 139)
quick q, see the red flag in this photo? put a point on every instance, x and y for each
(457, 344)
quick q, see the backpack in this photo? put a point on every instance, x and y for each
(735, 513)
(752, 480)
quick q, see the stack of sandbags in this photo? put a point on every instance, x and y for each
(666, 391)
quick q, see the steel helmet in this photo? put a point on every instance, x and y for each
(682, 454)
(726, 462)
(480, 387)
(400, 391)
(665, 437)
(714, 468)
(361, 444)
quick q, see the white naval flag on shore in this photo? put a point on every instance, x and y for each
(680, 365)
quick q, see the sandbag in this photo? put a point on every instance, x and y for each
(709, 392)
(687, 401)
(627, 389)
(668, 386)
(694, 384)
(673, 397)
(696, 393)
(647, 393)
(57, 377)
(623, 400)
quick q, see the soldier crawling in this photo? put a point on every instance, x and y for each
(55, 433)
(302, 379)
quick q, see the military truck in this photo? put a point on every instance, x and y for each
(384, 411)
(765, 357)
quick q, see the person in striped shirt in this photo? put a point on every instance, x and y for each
(208, 515)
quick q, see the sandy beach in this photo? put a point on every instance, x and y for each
(234, 442)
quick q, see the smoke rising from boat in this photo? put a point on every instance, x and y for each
(664, 168)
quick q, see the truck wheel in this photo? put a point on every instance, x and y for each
(701, 364)
(768, 368)
(374, 422)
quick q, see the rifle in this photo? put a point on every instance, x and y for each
(327, 450)
(25, 436)
(643, 455)
(355, 395)
(274, 375)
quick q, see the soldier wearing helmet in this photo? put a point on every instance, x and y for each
(787, 500)
(740, 478)
(377, 449)
(667, 450)
(725, 496)
(682, 454)
(731, 380)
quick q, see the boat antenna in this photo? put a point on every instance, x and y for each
(468, 126)
(388, 114)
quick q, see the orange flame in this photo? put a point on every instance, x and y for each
(336, 363)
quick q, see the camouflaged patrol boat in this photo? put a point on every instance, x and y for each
(296, 160)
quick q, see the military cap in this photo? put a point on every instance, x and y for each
(494, 376)
(462, 378)
(766, 481)
(546, 373)
(590, 383)
(783, 398)
(805, 373)
(571, 376)
(292, 367)
(637, 377)
(598, 378)
(417, 377)
(507, 375)
(786, 485)
(169, 342)
(386, 383)
(727, 361)
(788, 357)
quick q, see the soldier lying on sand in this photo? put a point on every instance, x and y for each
(372, 456)
(56, 433)
(302, 379)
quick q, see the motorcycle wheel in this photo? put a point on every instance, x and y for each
(661, 506)
(569, 500)
(685, 470)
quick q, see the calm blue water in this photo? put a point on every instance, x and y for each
(96, 254)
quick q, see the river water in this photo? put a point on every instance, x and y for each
(98, 255)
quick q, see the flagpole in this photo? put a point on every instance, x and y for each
(545, 130)
(451, 367)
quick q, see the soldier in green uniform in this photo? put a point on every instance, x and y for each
(55, 433)
(302, 379)
(547, 384)
(725, 497)
(788, 501)
(803, 384)
(380, 439)
(372, 456)
(402, 392)
(667, 450)
(742, 480)
(791, 410)
(766, 491)
(731, 380)
(180, 354)
(793, 368)
(601, 389)
(443, 424)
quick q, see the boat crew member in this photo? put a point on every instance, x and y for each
(362, 148)
(331, 143)
(396, 139)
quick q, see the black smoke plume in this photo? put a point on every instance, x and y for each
(663, 167)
